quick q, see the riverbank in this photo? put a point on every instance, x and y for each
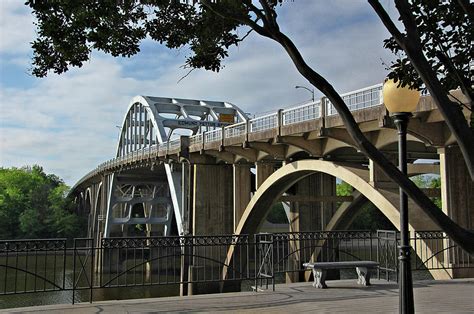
(343, 296)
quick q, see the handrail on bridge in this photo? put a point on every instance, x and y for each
(355, 100)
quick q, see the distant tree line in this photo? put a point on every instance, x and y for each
(34, 204)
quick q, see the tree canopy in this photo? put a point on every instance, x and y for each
(68, 31)
(446, 37)
(435, 52)
(34, 205)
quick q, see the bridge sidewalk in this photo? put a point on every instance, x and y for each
(456, 296)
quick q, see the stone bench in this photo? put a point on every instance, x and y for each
(362, 267)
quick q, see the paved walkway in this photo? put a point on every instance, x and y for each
(456, 296)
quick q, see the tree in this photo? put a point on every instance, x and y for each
(68, 31)
(436, 51)
(33, 205)
(368, 217)
(344, 189)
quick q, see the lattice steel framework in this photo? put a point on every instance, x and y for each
(149, 122)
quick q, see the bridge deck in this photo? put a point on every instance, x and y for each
(453, 296)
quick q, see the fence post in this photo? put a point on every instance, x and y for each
(378, 254)
(256, 260)
(414, 267)
(92, 269)
(73, 271)
(273, 261)
(64, 264)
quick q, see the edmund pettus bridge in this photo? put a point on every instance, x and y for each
(184, 201)
(198, 167)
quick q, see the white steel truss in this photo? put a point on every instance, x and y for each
(149, 123)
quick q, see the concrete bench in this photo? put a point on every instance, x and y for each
(362, 267)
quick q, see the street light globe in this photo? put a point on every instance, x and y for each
(399, 99)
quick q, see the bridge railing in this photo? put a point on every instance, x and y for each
(301, 113)
(195, 139)
(174, 144)
(355, 100)
(235, 130)
(360, 99)
(213, 136)
(263, 123)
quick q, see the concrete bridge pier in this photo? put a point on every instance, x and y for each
(262, 171)
(311, 208)
(457, 190)
(212, 213)
(99, 222)
(213, 201)
(242, 189)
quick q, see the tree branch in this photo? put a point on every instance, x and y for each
(249, 22)
(254, 9)
(270, 18)
(467, 7)
(387, 22)
(451, 112)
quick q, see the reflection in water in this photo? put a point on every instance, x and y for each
(44, 268)
(65, 297)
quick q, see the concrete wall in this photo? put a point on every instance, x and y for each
(313, 216)
(242, 189)
(457, 188)
(213, 200)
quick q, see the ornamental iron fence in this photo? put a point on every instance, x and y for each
(208, 263)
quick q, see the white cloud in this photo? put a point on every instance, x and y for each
(67, 123)
(15, 30)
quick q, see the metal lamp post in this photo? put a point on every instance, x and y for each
(309, 90)
(401, 102)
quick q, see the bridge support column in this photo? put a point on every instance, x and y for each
(242, 189)
(213, 200)
(262, 172)
(313, 215)
(99, 219)
(457, 189)
(213, 205)
(377, 178)
(310, 216)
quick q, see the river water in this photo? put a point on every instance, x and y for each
(60, 272)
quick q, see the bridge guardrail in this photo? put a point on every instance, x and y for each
(355, 100)
(301, 113)
(213, 136)
(195, 139)
(174, 144)
(263, 123)
(235, 130)
(360, 99)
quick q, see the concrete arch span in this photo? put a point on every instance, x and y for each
(357, 177)
(288, 175)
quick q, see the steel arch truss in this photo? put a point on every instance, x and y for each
(152, 121)
(149, 123)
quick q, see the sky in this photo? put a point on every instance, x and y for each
(69, 123)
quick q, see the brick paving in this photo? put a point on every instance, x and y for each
(345, 296)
